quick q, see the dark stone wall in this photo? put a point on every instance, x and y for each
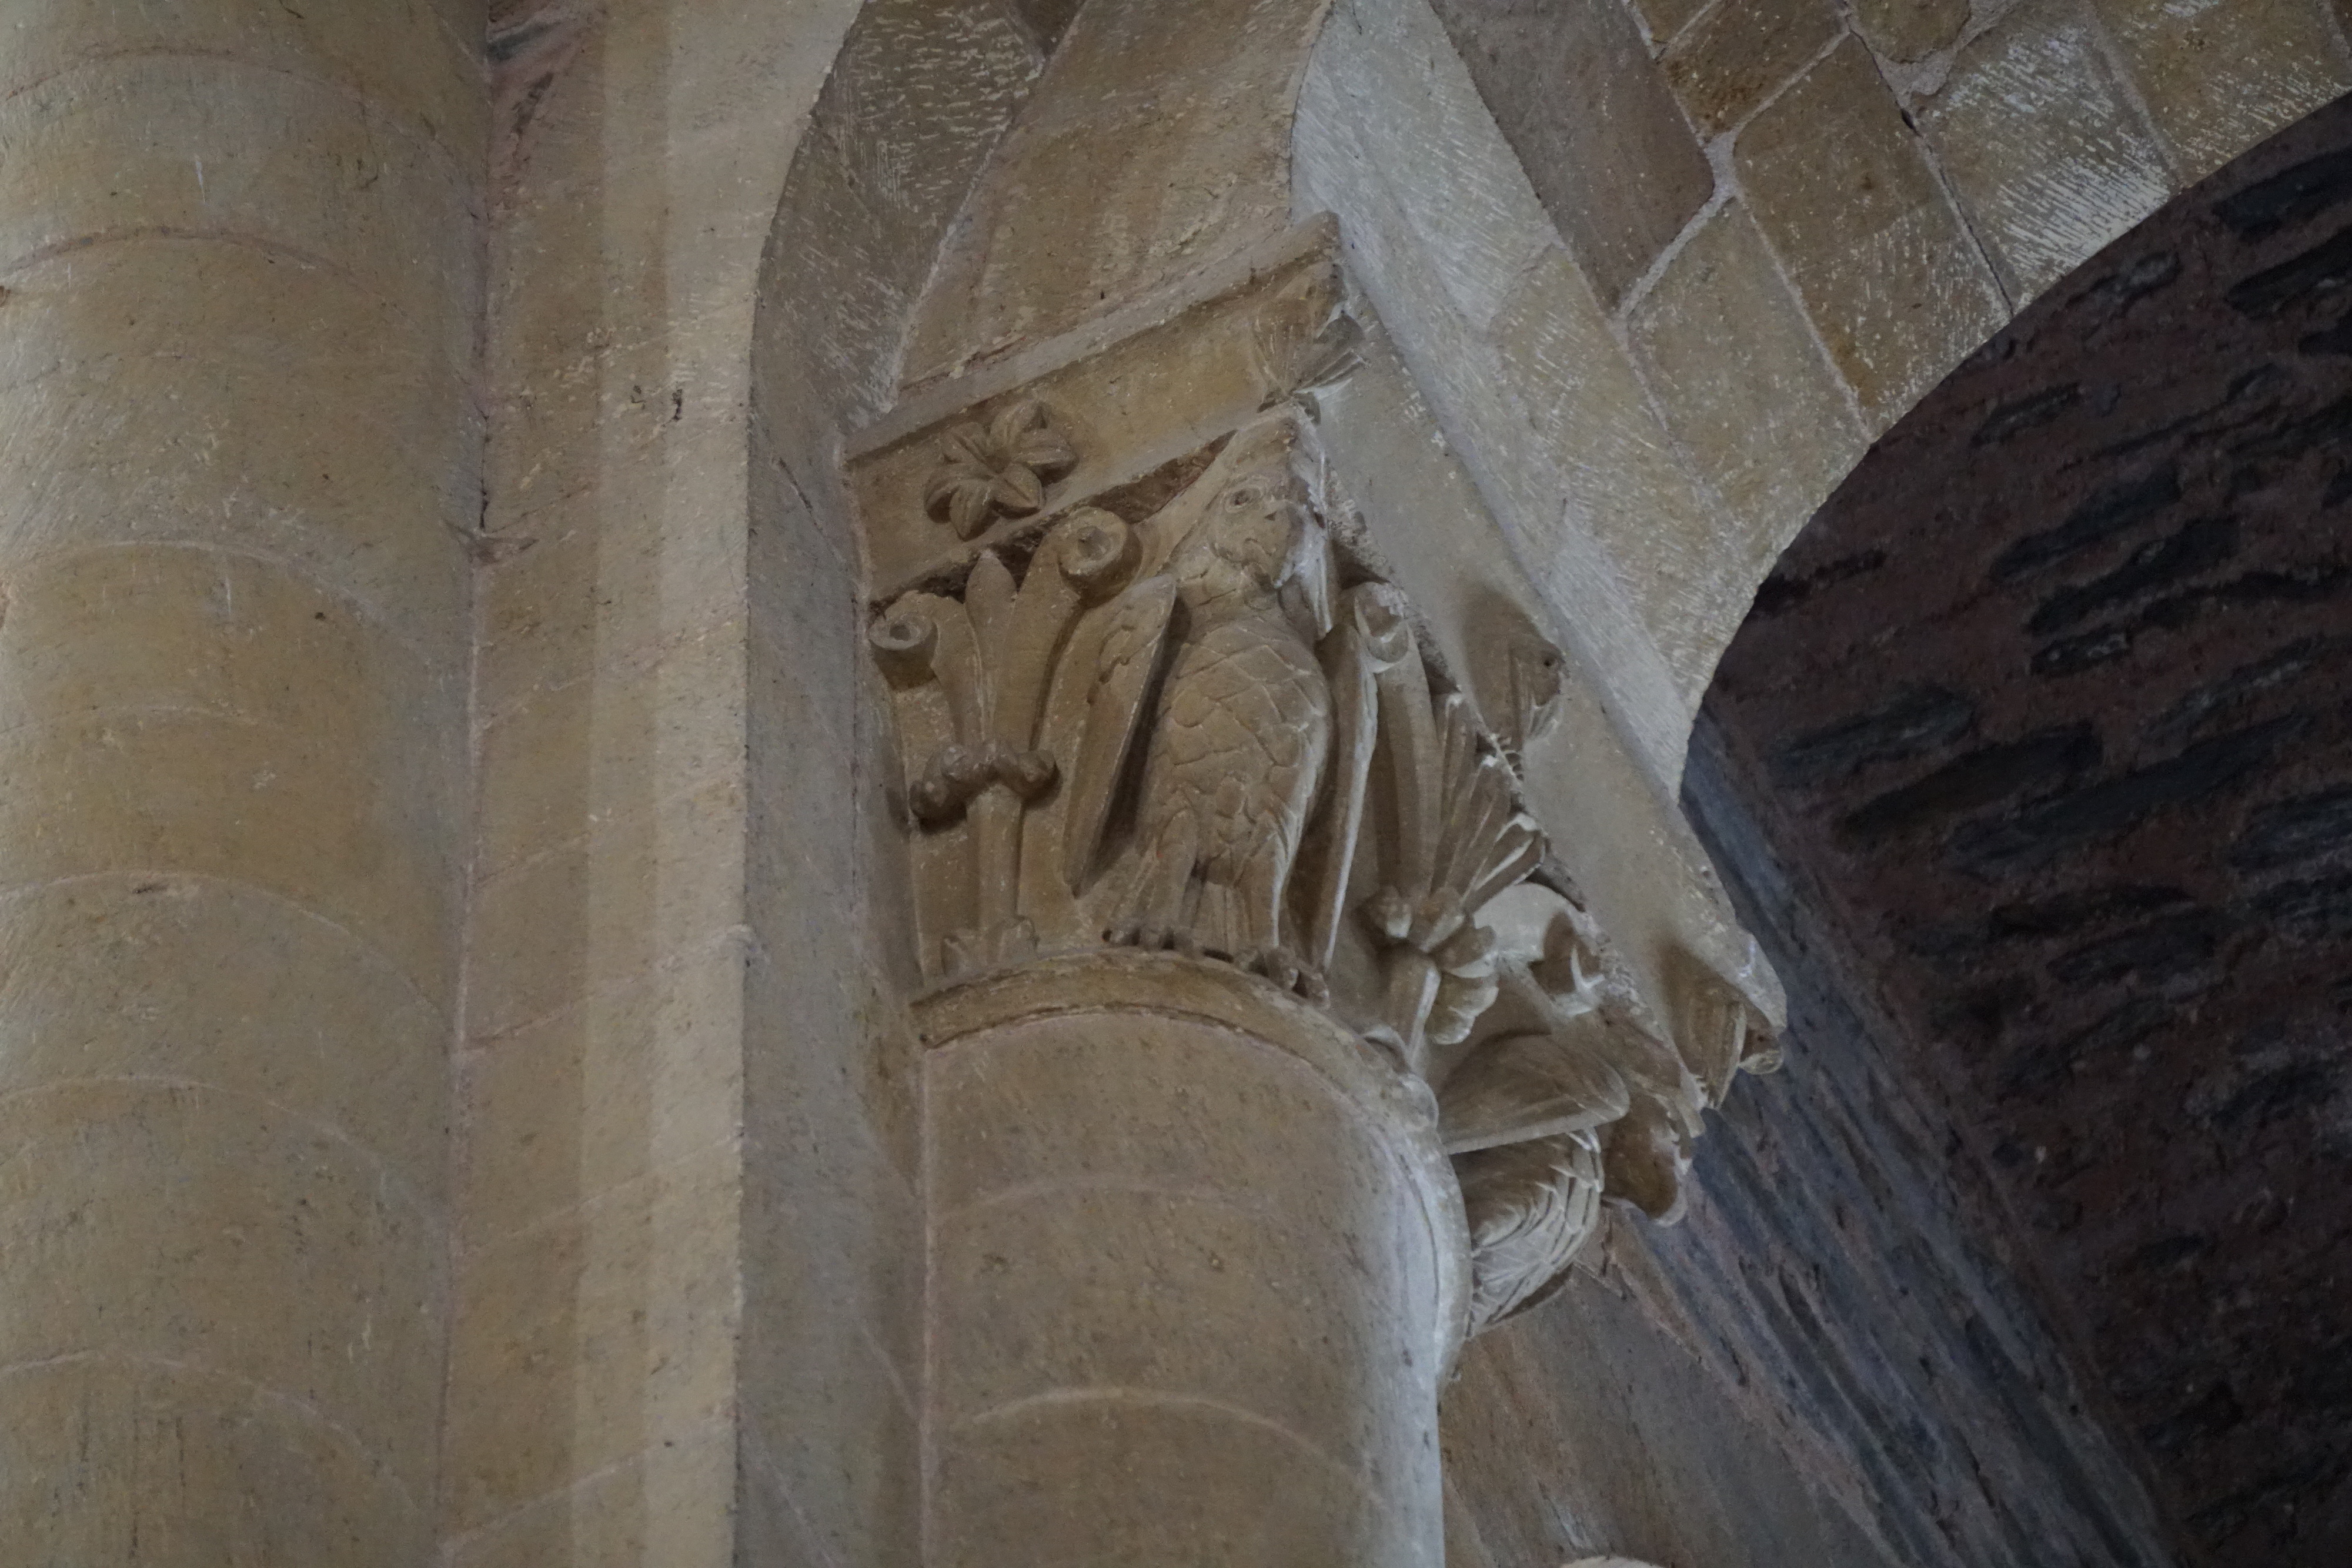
(1845, 1262)
(2046, 713)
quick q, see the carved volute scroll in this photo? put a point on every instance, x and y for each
(1205, 727)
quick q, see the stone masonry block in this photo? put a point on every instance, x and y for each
(610, 744)
(1840, 189)
(668, 1504)
(233, 1238)
(591, 1339)
(2285, 57)
(552, 930)
(432, 84)
(1735, 57)
(369, 197)
(217, 983)
(1908, 30)
(633, 1079)
(2048, 155)
(332, 436)
(1594, 125)
(1421, 128)
(207, 1469)
(1769, 425)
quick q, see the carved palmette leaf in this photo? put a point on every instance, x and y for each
(1484, 842)
(1532, 1206)
(1455, 838)
(1083, 559)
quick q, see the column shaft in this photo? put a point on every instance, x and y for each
(1191, 1279)
(239, 245)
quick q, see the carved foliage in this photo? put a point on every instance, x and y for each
(1171, 736)
(970, 680)
(1589, 1095)
(1458, 838)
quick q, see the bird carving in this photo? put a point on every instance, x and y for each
(1243, 729)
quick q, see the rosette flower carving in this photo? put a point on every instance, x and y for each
(999, 469)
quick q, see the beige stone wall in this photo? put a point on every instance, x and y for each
(1663, 313)
(236, 332)
(684, 1269)
(1160, 138)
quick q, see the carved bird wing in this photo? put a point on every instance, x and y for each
(1124, 663)
(1527, 1086)
(1531, 1208)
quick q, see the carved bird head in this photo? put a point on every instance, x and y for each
(1248, 531)
(1255, 521)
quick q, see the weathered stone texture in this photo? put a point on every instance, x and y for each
(1112, 1189)
(627, 673)
(1599, 474)
(238, 341)
(2286, 58)
(829, 1366)
(210, 1467)
(1592, 122)
(1768, 423)
(2051, 692)
(1662, 19)
(1908, 30)
(1839, 185)
(2049, 155)
(1735, 57)
(1158, 140)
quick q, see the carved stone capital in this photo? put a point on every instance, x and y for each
(1155, 705)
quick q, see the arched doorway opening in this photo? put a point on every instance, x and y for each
(2044, 721)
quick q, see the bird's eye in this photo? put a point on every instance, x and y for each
(1244, 497)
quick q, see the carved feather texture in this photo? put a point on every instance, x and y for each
(1124, 664)
(1245, 724)
(1532, 1206)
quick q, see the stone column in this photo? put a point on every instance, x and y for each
(1196, 1267)
(237, 246)
(1258, 1073)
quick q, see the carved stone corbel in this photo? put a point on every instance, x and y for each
(1535, 683)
